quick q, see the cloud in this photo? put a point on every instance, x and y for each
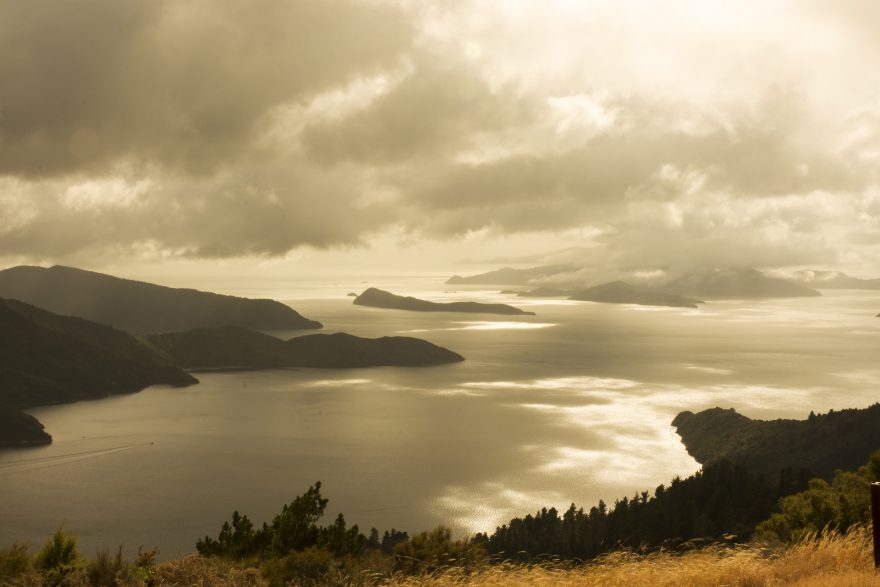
(181, 85)
(670, 134)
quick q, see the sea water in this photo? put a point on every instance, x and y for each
(573, 404)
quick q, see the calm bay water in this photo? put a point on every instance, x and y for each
(571, 405)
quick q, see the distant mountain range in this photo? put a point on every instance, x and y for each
(141, 307)
(49, 359)
(510, 276)
(736, 283)
(821, 444)
(833, 280)
(717, 283)
(378, 298)
(232, 347)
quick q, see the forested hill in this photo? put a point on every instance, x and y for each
(141, 307)
(723, 499)
(237, 347)
(821, 443)
(47, 359)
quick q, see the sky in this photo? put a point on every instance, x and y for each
(318, 136)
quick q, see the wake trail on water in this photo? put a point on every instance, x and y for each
(22, 465)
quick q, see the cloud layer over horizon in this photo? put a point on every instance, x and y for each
(672, 135)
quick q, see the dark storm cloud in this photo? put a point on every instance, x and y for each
(433, 112)
(182, 84)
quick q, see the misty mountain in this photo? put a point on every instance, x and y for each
(509, 275)
(833, 280)
(378, 298)
(736, 283)
(233, 347)
(823, 443)
(620, 292)
(137, 306)
(46, 359)
(543, 292)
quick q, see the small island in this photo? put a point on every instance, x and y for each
(232, 347)
(620, 292)
(378, 298)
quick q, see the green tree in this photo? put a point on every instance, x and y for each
(295, 528)
(837, 505)
(59, 558)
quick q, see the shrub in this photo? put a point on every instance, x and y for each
(15, 563)
(306, 567)
(429, 551)
(111, 570)
(833, 506)
(59, 558)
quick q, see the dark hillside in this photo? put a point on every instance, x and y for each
(821, 443)
(141, 307)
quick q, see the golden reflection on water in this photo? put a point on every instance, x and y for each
(486, 325)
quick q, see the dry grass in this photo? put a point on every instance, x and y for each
(198, 571)
(817, 561)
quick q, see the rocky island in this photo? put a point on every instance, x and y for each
(232, 347)
(142, 307)
(378, 298)
(620, 292)
(822, 443)
(51, 359)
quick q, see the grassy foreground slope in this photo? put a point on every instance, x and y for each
(825, 560)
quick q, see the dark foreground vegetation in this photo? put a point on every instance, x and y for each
(712, 513)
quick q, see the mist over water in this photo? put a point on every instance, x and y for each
(571, 405)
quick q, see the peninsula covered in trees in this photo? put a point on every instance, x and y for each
(820, 444)
(233, 347)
